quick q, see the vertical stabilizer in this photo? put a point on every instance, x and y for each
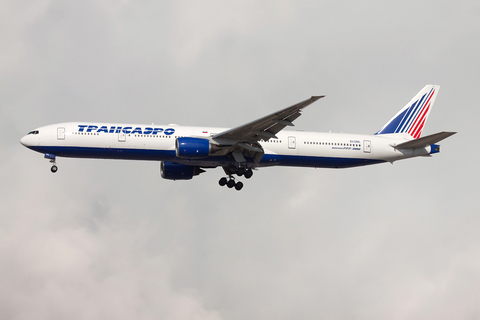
(413, 116)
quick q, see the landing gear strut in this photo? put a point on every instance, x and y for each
(54, 167)
(239, 170)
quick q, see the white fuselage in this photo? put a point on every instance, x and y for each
(157, 142)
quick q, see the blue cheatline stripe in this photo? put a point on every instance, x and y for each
(323, 162)
(107, 153)
(169, 155)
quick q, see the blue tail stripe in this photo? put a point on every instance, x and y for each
(411, 118)
(425, 96)
(423, 102)
(392, 126)
(413, 114)
(406, 117)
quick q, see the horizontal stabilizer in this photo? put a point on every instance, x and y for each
(424, 141)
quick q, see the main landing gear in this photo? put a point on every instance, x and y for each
(230, 182)
(54, 167)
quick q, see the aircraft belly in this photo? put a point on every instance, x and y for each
(325, 162)
(212, 161)
(107, 153)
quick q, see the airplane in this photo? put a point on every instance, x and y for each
(184, 152)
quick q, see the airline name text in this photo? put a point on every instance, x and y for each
(126, 130)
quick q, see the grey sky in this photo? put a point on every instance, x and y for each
(111, 239)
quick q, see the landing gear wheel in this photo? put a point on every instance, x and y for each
(248, 174)
(240, 171)
(239, 186)
(231, 183)
(223, 181)
(54, 168)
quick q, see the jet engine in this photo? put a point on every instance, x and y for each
(192, 148)
(176, 171)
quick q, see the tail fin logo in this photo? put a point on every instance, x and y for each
(413, 116)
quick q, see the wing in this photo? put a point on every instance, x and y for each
(268, 126)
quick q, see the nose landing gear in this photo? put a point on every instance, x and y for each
(54, 167)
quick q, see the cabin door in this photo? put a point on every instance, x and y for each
(367, 146)
(60, 133)
(292, 144)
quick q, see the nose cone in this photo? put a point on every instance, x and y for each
(24, 141)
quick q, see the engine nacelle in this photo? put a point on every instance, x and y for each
(192, 148)
(176, 171)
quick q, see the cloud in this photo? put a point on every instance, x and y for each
(111, 239)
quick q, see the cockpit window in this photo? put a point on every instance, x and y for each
(33, 132)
